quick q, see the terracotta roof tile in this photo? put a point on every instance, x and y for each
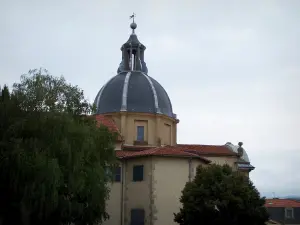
(159, 151)
(286, 203)
(207, 149)
(109, 123)
(136, 148)
(179, 150)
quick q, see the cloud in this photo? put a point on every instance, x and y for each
(227, 34)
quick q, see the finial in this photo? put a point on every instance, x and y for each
(133, 24)
(240, 149)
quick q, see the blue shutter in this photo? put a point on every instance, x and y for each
(118, 174)
(137, 217)
(138, 173)
(140, 133)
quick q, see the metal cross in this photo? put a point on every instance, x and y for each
(132, 17)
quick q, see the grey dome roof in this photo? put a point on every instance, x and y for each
(234, 148)
(133, 91)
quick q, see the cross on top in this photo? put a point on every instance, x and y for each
(132, 17)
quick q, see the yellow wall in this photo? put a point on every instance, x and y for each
(229, 160)
(137, 194)
(167, 194)
(154, 194)
(222, 160)
(245, 172)
(159, 129)
(114, 204)
(158, 194)
(164, 177)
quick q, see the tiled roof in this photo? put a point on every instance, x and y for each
(136, 148)
(207, 149)
(180, 150)
(159, 151)
(286, 203)
(108, 122)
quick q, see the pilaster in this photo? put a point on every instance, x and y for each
(123, 124)
(158, 130)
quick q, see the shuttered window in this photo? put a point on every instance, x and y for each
(138, 173)
(137, 217)
(117, 174)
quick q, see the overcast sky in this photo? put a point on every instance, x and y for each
(231, 68)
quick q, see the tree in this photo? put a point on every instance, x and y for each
(53, 156)
(4, 94)
(220, 196)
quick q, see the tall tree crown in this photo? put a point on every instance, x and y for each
(219, 195)
(53, 159)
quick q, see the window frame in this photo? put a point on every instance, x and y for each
(138, 134)
(136, 177)
(292, 213)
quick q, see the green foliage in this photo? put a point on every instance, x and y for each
(5, 95)
(39, 91)
(220, 196)
(53, 156)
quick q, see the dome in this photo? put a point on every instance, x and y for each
(133, 91)
(234, 148)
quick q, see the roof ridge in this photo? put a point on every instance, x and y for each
(277, 202)
(289, 199)
(161, 151)
(203, 145)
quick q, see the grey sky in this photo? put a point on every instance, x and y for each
(231, 68)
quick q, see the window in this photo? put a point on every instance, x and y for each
(138, 173)
(141, 127)
(140, 133)
(137, 217)
(114, 173)
(289, 213)
(117, 174)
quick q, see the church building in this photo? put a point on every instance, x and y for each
(154, 168)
